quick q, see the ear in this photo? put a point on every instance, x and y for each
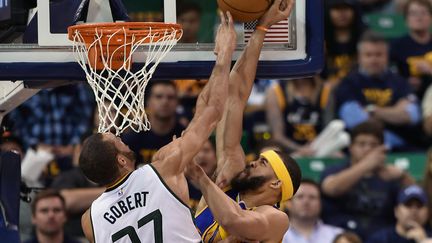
(121, 160)
(33, 219)
(276, 184)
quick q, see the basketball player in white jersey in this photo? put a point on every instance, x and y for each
(149, 204)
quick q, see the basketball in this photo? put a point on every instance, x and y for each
(245, 10)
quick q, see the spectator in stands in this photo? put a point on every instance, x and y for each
(373, 92)
(48, 217)
(359, 195)
(189, 16)
(161, 110)
(188, 91)
(54, 120)
(304, 210)
(347, 237)
(78, 193)
(427, 181)
(427, 112)
(343, 28)
(413, 53)
(295, 113)
(411, 215)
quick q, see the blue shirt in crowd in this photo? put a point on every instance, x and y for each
(359, 90)
(389, 235)
(365, 208)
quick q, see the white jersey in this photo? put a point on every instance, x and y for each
(142, 209)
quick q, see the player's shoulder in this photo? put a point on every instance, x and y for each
(273, 217)
(271, 211)
(85, 218)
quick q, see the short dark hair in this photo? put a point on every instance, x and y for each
(425, 3)
(371, 37)
(154, 83)
(98, 160)
(48, 193)
(370, 127)
(311, 182)
(293, 169)
(187, 6)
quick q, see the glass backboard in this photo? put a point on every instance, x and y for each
(41, 50)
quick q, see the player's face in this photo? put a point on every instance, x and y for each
(362, 145)
(373, 57)
(261, 167)
(342, 16)
(306, 204)
(418, 17)
(256, 175)
(190, 22)
(163, 101)
(206, 158)
(49, 216)
(411, 211)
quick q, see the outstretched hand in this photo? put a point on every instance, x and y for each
(280, 10)
(226, 36)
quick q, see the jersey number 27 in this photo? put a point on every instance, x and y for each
(154, 216)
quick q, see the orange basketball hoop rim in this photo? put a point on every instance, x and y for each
(109, 44)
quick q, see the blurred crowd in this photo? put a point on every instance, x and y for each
(378, 85)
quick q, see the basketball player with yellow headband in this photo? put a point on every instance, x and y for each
(247, 210)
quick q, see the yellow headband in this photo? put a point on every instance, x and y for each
(281, 173)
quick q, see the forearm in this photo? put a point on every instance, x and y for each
(78, 200)
(341, 183)
(286, 142)
(244, 71)
(223, 208)
(392, 115)
(215, 92)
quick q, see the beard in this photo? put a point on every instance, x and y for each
(245, 183)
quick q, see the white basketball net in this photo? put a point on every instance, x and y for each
(120, 93)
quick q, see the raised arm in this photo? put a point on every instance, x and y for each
(174, 157)
(229, 130)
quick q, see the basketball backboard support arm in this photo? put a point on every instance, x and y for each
(54, 62)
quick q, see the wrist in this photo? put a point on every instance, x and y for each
(203, 182)
(261, 28)
(264, 24)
